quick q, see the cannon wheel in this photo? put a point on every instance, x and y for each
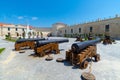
(97, 57)
(84, 64)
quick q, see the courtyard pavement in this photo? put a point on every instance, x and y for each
(22, 66)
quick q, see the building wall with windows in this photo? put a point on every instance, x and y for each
(110, 26)
(55, 29)
(42, 32)
(18, 30)
(12, 30)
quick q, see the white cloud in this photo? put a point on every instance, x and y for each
(34, 18)
(20, 17)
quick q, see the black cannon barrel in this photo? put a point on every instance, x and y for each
(20, 40)
(36, 39)
(77, 47)
(30, 39)
(60, 40)
(41, 43)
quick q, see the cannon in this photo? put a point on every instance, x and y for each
(80, 52)
(107, 40)
(26, 43)
(41, 43)
(78, 38)
(77, 47)
(42, 47)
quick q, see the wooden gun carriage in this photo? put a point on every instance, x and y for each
(107, 40)
(48, 46)
(80, 52)
(78, 38)
(26, 43)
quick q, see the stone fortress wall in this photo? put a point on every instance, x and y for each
(112, 26)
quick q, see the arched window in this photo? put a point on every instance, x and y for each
(79, 30)
(8, 28)
(71, 30)
(91, 28)
(16, 29)
(107, 27)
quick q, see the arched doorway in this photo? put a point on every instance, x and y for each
(9, 34)
(17, 34)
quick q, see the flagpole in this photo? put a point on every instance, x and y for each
(27, 30)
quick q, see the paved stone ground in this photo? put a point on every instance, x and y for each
(22, 66)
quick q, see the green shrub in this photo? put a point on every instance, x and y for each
(7, 37)
(1, 50)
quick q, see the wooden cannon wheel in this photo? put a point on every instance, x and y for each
(87, 76)
(59, 59)
(97, 57)
(84, 64)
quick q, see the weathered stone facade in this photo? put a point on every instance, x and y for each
(112, 26)
(13, 30)
(109, 26)
(17, 30)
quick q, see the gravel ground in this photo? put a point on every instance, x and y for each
(22, 66)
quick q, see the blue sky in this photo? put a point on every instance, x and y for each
(43, 13)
